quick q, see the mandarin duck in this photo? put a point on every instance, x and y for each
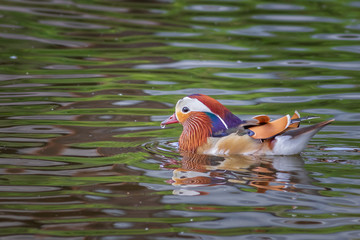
(210, 128)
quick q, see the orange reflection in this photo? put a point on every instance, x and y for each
(278, 173)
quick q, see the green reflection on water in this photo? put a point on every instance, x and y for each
(72, 66)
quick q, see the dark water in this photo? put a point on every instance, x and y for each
(85, 84)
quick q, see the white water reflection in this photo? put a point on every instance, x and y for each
(177, 34)
(322, 77)
(327, 111)
(127, 102)
(265, 30)
(65, 43)
(211, 8)
(333, 36)
(6, 77)
(249, 75)
(338, 115)
(209, 91)
(355, 26)
(237, 102)
(287, 99)
(190, 64)
(295, 18)
(280, 6)
(299, 99)
(192, 91)
(355, 4)
(35, 129)
(73, 24)
(212, 19)
(351, 49)
(337, 86)
(208, 45)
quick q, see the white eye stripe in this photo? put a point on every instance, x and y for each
(196, 106)
(193, 104)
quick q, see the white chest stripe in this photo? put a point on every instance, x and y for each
(223, 122)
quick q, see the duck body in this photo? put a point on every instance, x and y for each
(210, 128)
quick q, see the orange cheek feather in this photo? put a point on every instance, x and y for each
(197, 128)
(181, 117)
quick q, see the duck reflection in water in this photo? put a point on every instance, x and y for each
(279, 173)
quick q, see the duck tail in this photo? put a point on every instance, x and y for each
(294, 141)
(313, 129)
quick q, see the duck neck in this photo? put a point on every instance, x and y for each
(197, 129)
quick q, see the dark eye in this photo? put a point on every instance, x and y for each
(185, 109)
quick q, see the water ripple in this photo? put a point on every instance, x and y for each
(355, 4)
(352, 49)
(252, 31)
(35, 129)
(287, 99)
(209, 46)
(177, 34)
(6, 77)
(327, 111)
(356, 26)
(62, 67)
(295, 18)
(333, 36)
(74, 25)
(30, 162)
(33, 94)
(218, 92)
(300, 236)
(102, 8)
(295, 49)
(127, 103)
(74, 15)
(10, 26)
(211, 8)
(237, 102)
(316, 223)
(65, 43)
(47, 117)
(249, 75)
(28, 103)
(299, 99)
(25, 85)
(161, 82)
(13, 188)
(279, 6)
(47, 12)
(188, 91)
(346, 117)
(212, 19)
(47, 2)
(190, 64)
(92, 171)
(264, 30)
(317, 78)
(337, 86)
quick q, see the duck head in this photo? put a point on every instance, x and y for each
(201, 117)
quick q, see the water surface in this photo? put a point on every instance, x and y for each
(85, 84)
